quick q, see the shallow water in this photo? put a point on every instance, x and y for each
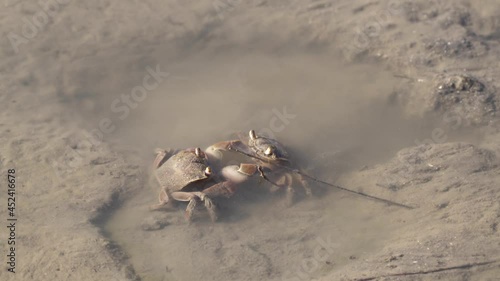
(337, 123)
(334, 117)
(342, 126)
(259, 239)
(313, 102)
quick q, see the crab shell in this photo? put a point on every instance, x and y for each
(183, 168)
(266, 148)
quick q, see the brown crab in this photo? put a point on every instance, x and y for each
(268, 153)
(184, 174)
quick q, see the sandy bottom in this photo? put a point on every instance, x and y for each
(397, 101)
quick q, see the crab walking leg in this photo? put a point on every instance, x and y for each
(305, 184)
(161, 156)
(286, 180)
(192, 197)
(163, 200)
(211, 208)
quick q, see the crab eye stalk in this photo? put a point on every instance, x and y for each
(208, 171)
(198, 152)
(252, 135)
(268, 151)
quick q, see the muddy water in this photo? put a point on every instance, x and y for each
(314, 103)
(335, 117)
(260, 239)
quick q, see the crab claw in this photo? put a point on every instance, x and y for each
(215, 151)
(238, 174)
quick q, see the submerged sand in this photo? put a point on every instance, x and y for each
(393, 98)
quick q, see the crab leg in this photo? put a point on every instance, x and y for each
(187, 196)
(193, 197)
(305, 184)
(163, 200)
(161, 156)
(211, 208)
(286, 180)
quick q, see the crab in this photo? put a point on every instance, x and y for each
(184, 174)
(267, 153)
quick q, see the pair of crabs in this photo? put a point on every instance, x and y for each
(182, 174)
